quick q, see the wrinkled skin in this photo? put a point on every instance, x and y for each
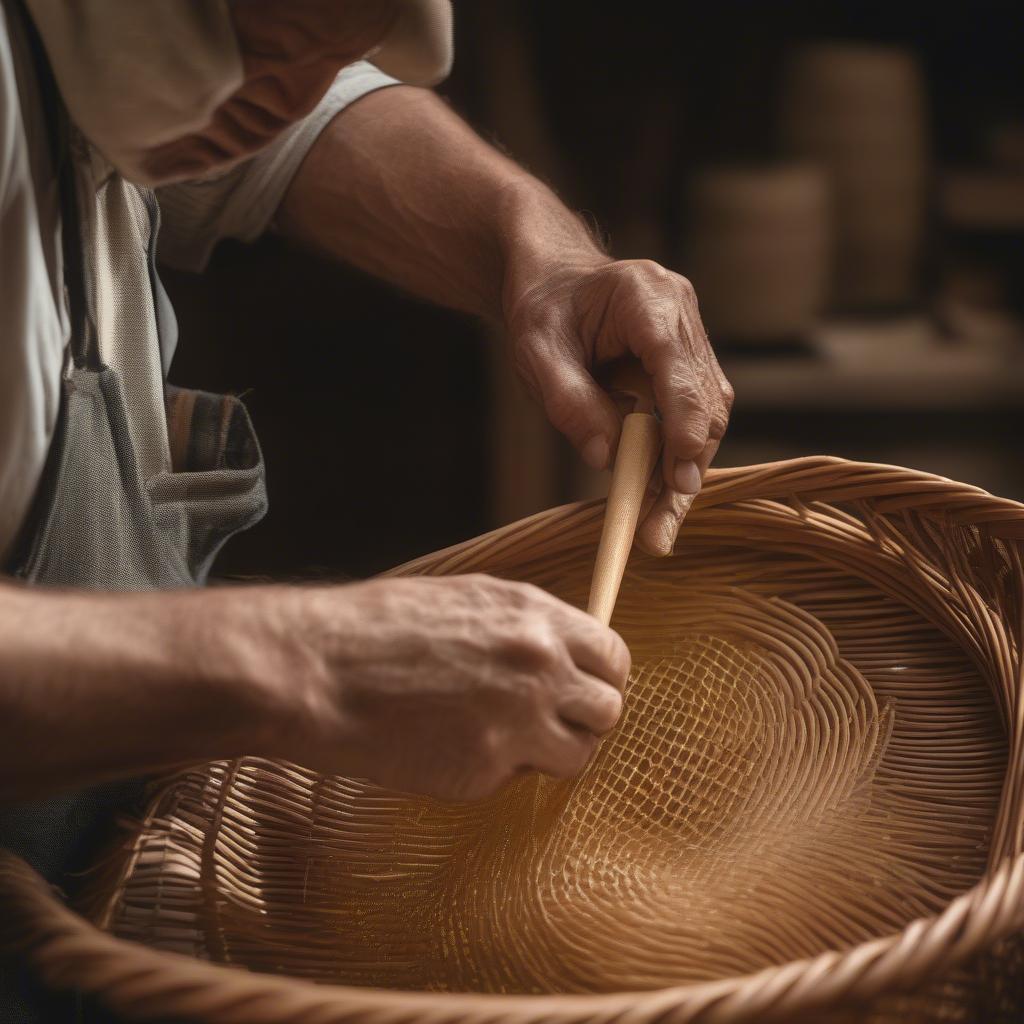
(450, 686)
(578, 318)
(565, 314)
(444, 686)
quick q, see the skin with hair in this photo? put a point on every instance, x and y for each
(447, 687)
(403, 188)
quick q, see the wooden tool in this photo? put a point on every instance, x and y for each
(639, 448)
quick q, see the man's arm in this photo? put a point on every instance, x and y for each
(403, 188)
(445, 686)
(96, 686)
(400, 186)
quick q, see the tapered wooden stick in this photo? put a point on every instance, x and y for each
(639, 447)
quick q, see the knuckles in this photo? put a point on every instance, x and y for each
(533, 652)
(643, 272)
(648, 276)
(686, 289)
(717, 427)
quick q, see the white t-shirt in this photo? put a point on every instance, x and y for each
(33, 320)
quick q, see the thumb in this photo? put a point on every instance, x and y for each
(576, 404)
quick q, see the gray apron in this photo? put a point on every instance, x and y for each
(101, 521)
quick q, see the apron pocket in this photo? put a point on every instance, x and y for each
(218, 484)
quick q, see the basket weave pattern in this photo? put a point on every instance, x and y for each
(813, 802)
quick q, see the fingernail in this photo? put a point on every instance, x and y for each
(686, 477)
(595, 452)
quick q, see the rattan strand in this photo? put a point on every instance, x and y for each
(813, 800)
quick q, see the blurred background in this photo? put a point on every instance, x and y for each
(844, 184)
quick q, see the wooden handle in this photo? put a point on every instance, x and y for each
(639, 448)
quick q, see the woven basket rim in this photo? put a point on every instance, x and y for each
(73, 951)
(720, 482)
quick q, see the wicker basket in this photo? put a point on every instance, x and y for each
(903, 594)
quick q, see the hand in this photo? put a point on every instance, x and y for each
(580, 316)
(446, 686)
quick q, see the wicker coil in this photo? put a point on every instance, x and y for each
(811, 808)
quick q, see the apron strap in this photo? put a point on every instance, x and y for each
(84, 341)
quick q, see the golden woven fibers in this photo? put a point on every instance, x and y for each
(731, 822)
(920, 582)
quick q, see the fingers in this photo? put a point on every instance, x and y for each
(626, 306)
(685, 474)
(682, 400)
(591, 705)
(694, 399)
(562, 745)
(657, 533)
(598, 650)
(563, 637)
(589, 675)
(573, 401)
(658, 530)
(562, 751)
(661, 322)
(581, 696)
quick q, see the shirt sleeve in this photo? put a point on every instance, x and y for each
(240, 204)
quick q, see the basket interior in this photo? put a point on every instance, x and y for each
(806, 761)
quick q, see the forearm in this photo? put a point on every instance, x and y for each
(96, 686)
(444, 686)
(400, 186)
